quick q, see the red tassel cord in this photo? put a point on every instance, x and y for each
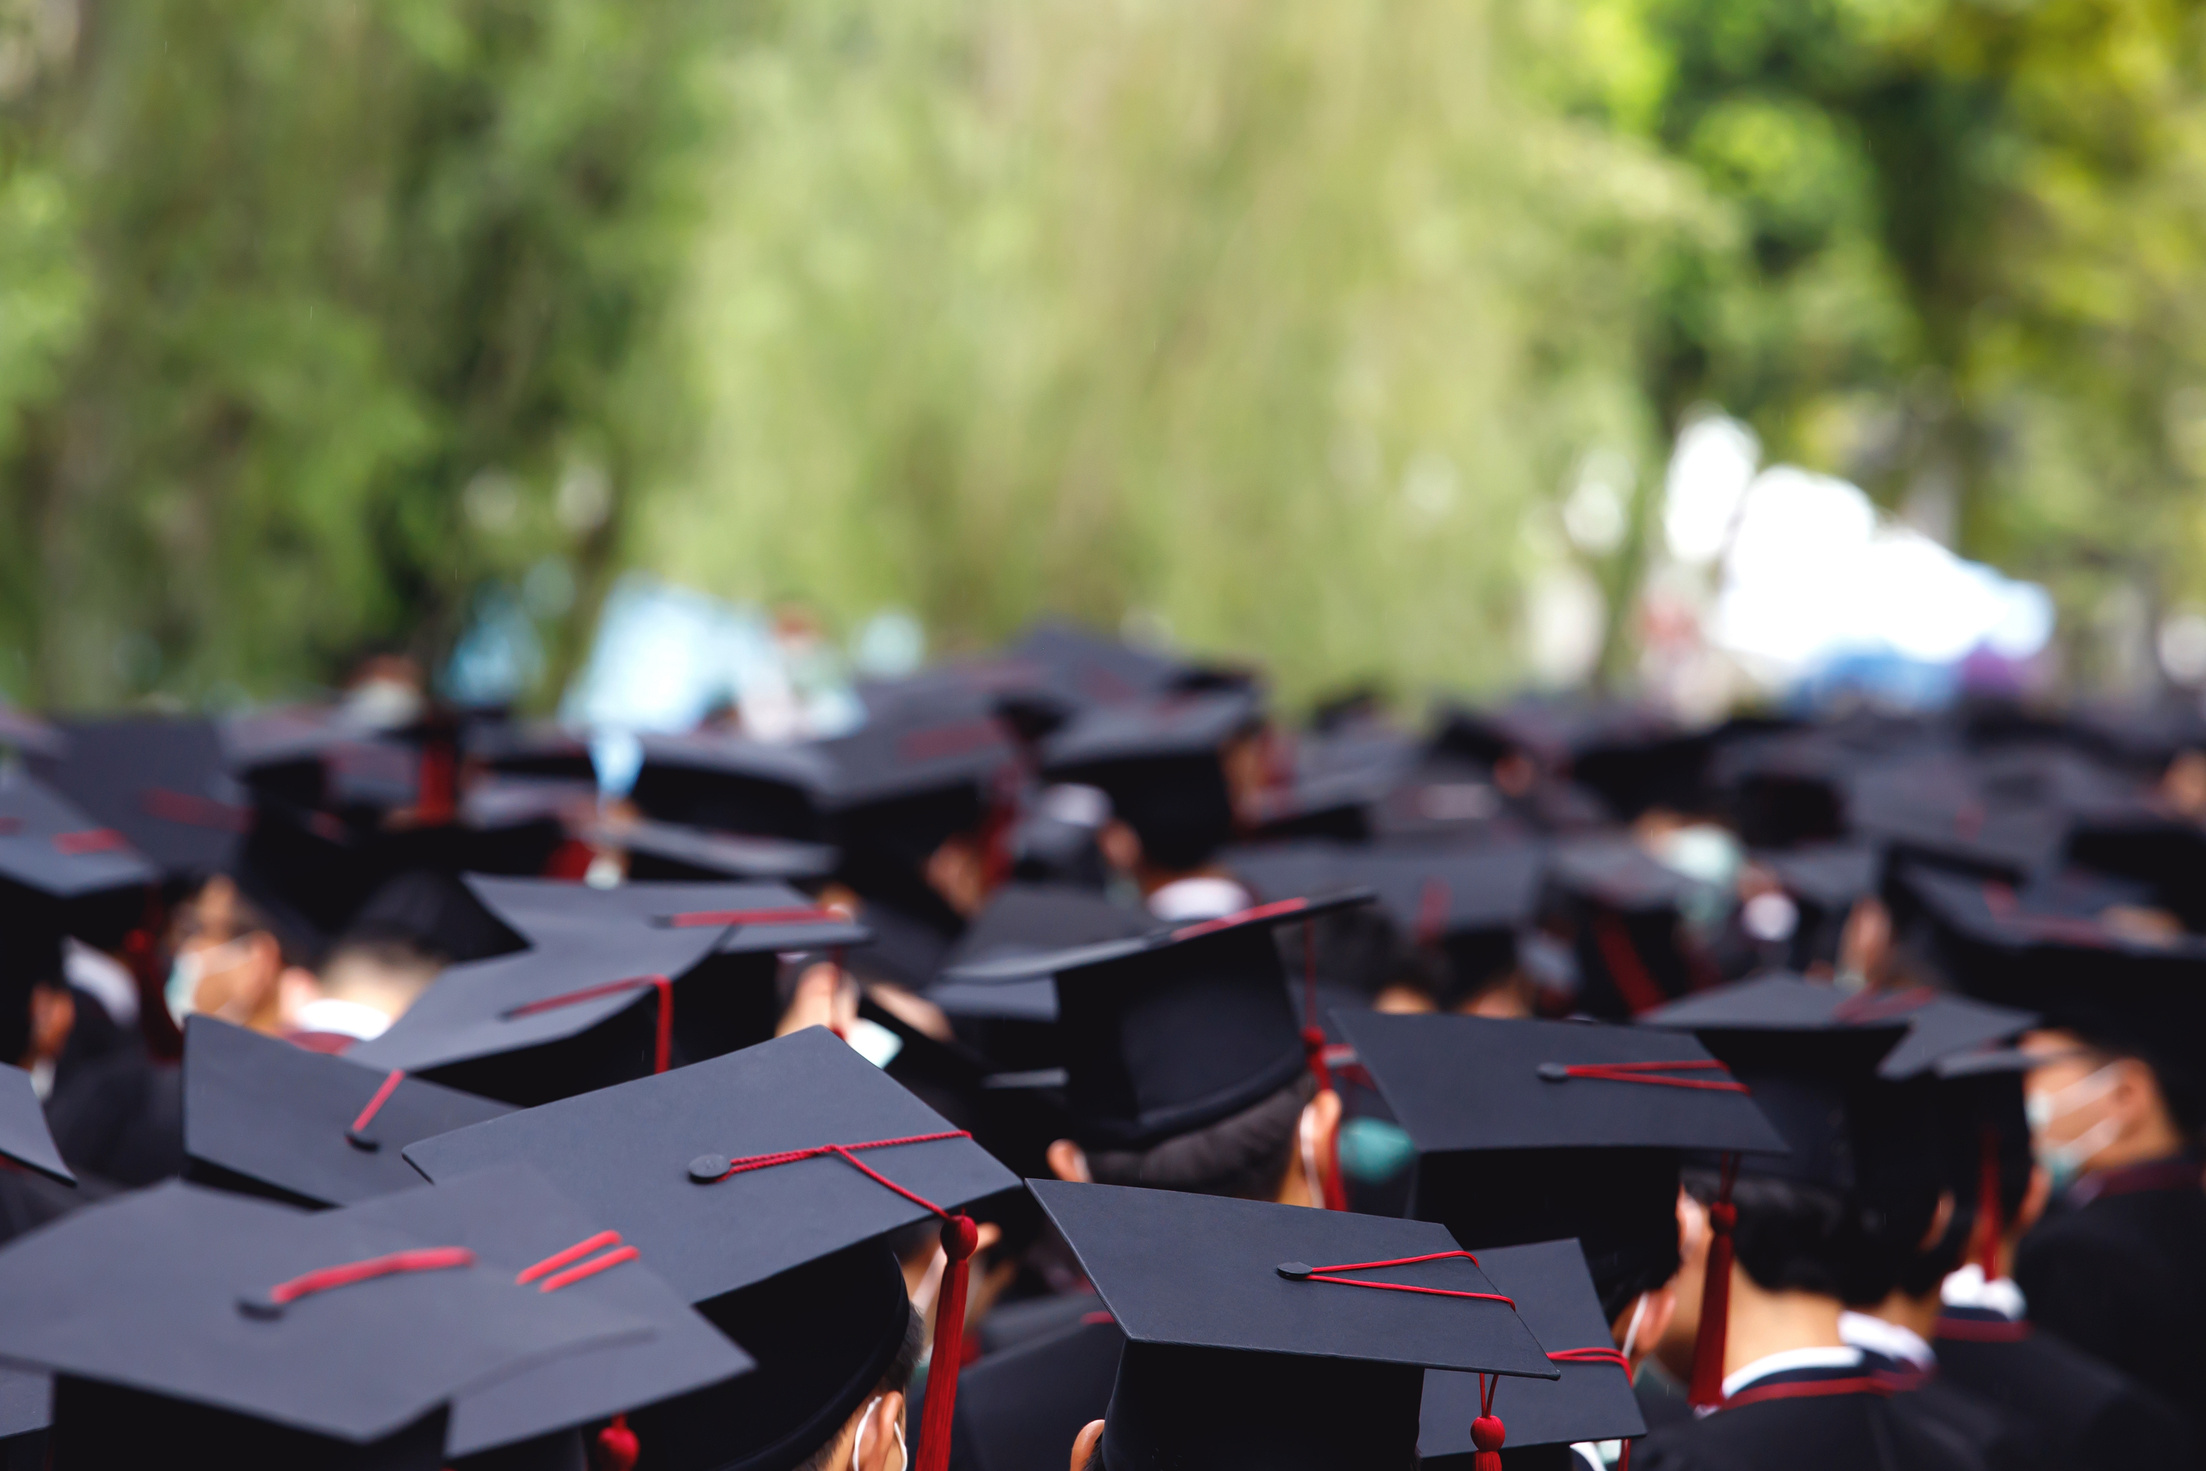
(357, 1135)
(1487, 1431)
(1991, 1230)
(960, 1238)
(662, 1052)
(1626, 972)
(1706, 1388)
(1644, 1072)
(346, 1274)
(1602, 1356)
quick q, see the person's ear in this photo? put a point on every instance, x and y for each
(1120, 845)
(2034, 1200)
(1068, 1161)
(823, 998)
(1083, 1445)
(1322, 1114)
(1940, 1221)
(53, 1018)
(880, 1444)
(958, 871)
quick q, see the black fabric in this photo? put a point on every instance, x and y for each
(1021, 1409)
(120, 1118)
(1955, 1414)
(2124, 1279)
(101, 1427)
(1835, 1432)
(1178, 1408)
(2086, 1415)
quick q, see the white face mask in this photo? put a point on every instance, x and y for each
(1631, 1329)
(858, 1441)
(191, 966)
(2065, 1162)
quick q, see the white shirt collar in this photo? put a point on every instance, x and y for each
(1183, 900)
(343, 1018)
(1967, 1288)
(104, 978)
(1789, 1359)
(1890, 1339)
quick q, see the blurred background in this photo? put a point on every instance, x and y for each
(643, 355)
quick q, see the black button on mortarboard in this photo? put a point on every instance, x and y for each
(263, 1308)
(1555, 1072)
(707, 1168)
(1296, 1270)
(361, 1141)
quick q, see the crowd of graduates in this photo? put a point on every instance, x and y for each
(1077, 1066)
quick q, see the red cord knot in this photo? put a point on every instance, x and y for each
(617, 1446)
(420, 1259)
(1653, 1073)
(1488, 1433)
(1723, 1216)
(960, 1238)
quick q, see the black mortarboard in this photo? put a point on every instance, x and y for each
(269, 1118)
(510, 1215)
(24, 1136)
(1177, 1029)
(627, 1154)
(667, 850)
(26, 1410)
(536, 748)
(1825, 880)
(905, 782)
(725, 1177)
(1938, 1026)
(159, 781)
(1019, 921)
(49, 847)
(185, 1317)
(1624, 908)
(1161, 762)
(1467, 905)
(1633, 756)
(1592, 1401)
(732, 784)
(1530, 1130)
(1252, 1339)
(615, 983)
(1021, 1408)
(1988, 1148)
(1933, 809)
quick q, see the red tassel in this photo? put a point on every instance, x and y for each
(1706, 1389)
(617, 1446)
(1624, 1457)
(1487, 1431)
(1990, 1229)
(437, 795)
(960, 1237)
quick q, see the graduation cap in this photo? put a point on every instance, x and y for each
(1934, 810)
(51, 848)
(268, 1118)
(1825, 881)
(26, 1410)
(162, 783)
(1022, 1407)
(1624, 907)
(1019, 922)
(24, 1137)
(1592, 1401)
(1530, 1130)
(1162, 763)
(534, 748)
(615, 983)
(180, 1317)
(733, 784)
(1467, 905)
(1938, 1025)
(905, 783)
(510, 1215)
(1986, 1128)
(1272, 1336)
(759, 1185)
(671, 851)
(1632, 755)
(1173, 1030)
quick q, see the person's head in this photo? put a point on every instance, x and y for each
(1268, 1151)
(232, 961)
(36, 1011)
(873, 1438)
(2096, 1106)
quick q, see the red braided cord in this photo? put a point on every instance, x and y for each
(697, 919)
(589, 1269)
(91, 840)
(1990, 1228)
(574, 1253)
(1647, 1072)
(1241, 916)
(960, 1237)
(1319, 1274)
(382, 1096)
(418, 1259)
(663, 1044)
(1706, 1385)
(1593, 1356)
(1630, 976)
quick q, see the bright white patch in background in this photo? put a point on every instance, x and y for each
(616, 757)
(1709, 473)
(890, 646)
(1812, 575)
(874, 1042)
(2183, 646)
(1594, 515)
(1770, 917)
(1562, 623)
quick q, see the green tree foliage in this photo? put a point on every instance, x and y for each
(353, 301)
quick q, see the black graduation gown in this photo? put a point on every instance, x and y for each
(1952, 1411)
(120, 1118)
(1021, 1410)
(2084, 1414)
(1837, 1419)
(2120, 1272)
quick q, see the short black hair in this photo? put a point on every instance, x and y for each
(1789, 1237)
(1243, 1156)
(895, 1379)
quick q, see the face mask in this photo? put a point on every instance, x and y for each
(1631, 1329)
(858, 1445)
(2065, 1162)
(190, 967)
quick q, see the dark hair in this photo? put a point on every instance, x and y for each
(1243, 1156)
(1789, 1236)
(895, 1379)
